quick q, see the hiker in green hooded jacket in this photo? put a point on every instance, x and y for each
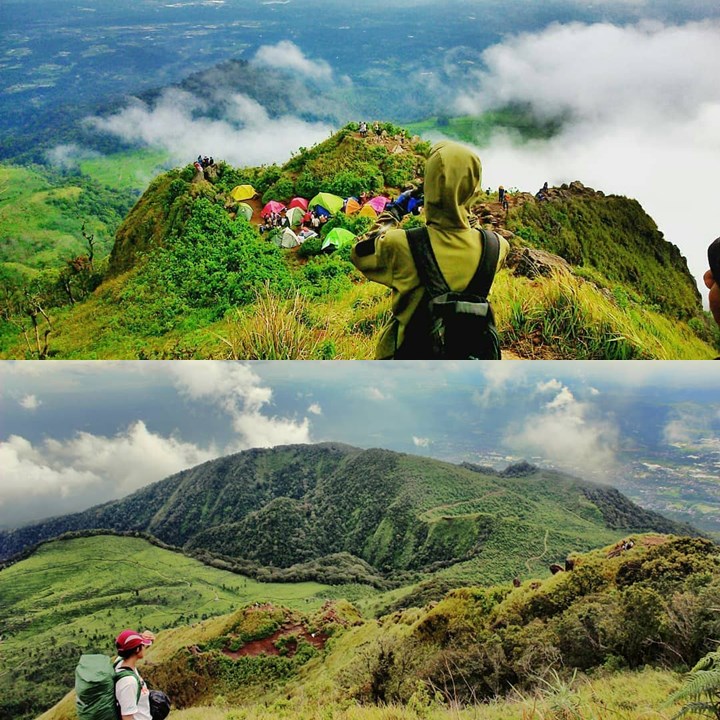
(453, 177)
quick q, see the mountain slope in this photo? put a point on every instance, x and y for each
(75, 595)
(610, 611)
(188, 278)
(398, 513)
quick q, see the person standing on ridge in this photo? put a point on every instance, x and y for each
(712, 279)
(131, 692)
(453, 176)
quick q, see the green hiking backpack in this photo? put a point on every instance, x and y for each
(95, 678)
(452, 325)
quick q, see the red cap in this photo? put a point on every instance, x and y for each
(129, 639)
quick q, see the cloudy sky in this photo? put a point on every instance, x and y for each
(643, 113)
(73, 434)
(634, 79)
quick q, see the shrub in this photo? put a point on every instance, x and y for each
(282, 190)
(214, 263)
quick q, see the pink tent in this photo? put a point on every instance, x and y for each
(272, 207)
(378, 203)
(298, 202)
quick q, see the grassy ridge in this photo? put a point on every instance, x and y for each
(583, 644)
(186, 280)
(340, 514)
(74, 596)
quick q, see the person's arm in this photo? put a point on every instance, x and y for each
(370, 254)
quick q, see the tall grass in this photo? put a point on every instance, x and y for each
(567, 317)
(621, 696)
(299, 328)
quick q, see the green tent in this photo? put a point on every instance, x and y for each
(295, 215)
(338, 237)
(332, 203)
(246, 210)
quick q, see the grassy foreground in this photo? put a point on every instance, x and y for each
(621, 696)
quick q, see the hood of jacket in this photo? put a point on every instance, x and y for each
(453, 180)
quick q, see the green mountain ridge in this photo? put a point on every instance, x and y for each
(390, 515)
(188, 279)
(612, 617)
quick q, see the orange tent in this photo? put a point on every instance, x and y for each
(352, 206)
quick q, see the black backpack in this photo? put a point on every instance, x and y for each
(452, 325)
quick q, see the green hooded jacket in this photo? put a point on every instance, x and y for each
(453, 178)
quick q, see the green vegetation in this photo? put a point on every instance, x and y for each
(129, 170)
(42, 213)
(612, 236)
(185, 279)
(593, 642)
(517, 120)
(75, 595)
(343, 515)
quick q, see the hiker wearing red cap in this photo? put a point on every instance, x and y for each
(131, 692)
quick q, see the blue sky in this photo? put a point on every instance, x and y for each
(73, 434)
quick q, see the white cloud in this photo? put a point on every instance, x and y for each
(55, 476)
(421, 441)
(569, 434)
(285, 55)
(375, 393)
(643, 105)
(495, 378)
(691, 425)
(548, 386)
(245, 135)
(30, 402)
(563, 399)
(238, 391)
(315, 409)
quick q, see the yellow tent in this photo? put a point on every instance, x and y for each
(242, 192)
(367, 211)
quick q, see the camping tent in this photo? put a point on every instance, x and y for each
(272, 207)
(352, 206)
(332, 203)
(289, 239)
(246, 210)
(378, 203)
(339, 237)
(242, 192)
(298, 202)
(295, 215)
(367, 211)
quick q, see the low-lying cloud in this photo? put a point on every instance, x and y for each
(286, 55)
(180, 123)
(642, 107)
(56, 477)
(567, 433)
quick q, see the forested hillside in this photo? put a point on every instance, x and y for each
(379, 514)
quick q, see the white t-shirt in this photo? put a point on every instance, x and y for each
(126, 694)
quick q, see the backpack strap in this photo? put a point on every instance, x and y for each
(483, 278)
(431, 277)
(426, 264)
(123, 672)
